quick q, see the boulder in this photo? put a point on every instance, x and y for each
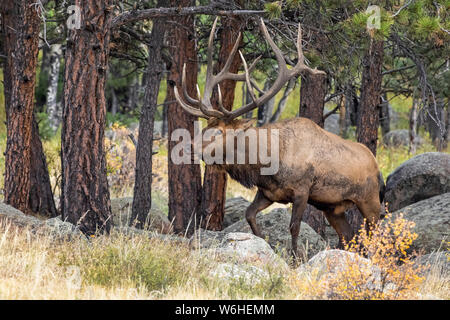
(421, 177)
(54, 227)
(245, 248)
(60, 228)
(434, 263)
(327, 265)
(16, 217)
(332, 261)
(234, 210)
(275, 228)
(397, 138)
(432, 219)
(121, 215)
(247, 274)
(203, 239)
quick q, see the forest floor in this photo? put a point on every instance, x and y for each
(134, 267)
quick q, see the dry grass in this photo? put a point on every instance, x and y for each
(124, 267)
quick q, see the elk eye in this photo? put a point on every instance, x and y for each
(218, 132)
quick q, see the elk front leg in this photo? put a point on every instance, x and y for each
(298, 207)
(259, 203)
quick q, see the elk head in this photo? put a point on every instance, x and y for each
(220, 120)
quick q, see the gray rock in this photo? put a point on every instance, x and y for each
(17, 217)
(432, 219)
(397, 138)
(61, 229)
(245, 248)
(275, 227)
(121, 215)
(434, 263)
(234, 210)
(327, 265)
(421, 177)
(203, 239)
(237, 272)
(54, 227)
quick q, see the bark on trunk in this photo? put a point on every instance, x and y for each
(85, 195)
(165, 125)
(184, 179)
(385, 121)
(41, 195)
(53, 108)
(142, 195)
(114, 102)
(413, 128)
(312, 96)
(343, 118)
(368, 114)
(215, 181)
(352, 104)
(24, 169)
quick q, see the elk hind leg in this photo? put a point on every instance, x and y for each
(259, 203)
(370, 210)
(337, 220)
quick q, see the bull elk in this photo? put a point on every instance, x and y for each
(315, 166)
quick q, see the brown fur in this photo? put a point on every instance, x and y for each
(316, 167)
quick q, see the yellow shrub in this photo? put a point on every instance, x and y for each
(386, 246)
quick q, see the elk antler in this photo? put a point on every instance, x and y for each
(203, 107)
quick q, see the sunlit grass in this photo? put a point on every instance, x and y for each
(139, 267)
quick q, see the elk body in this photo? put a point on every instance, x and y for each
(315, 166)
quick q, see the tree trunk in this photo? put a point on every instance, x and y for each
(21, 31)
(447, 127)
(184, 179)
(133, 94)
(368, 114)
(343, 118)
(434, 122)
(413, 128)
(114, 102)
(352, 104)
(215, 181)
(85, 194)
(312, 96)
(41, 195)
(142, 195)
(165, 125)
(53, 108)
(385, 122)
